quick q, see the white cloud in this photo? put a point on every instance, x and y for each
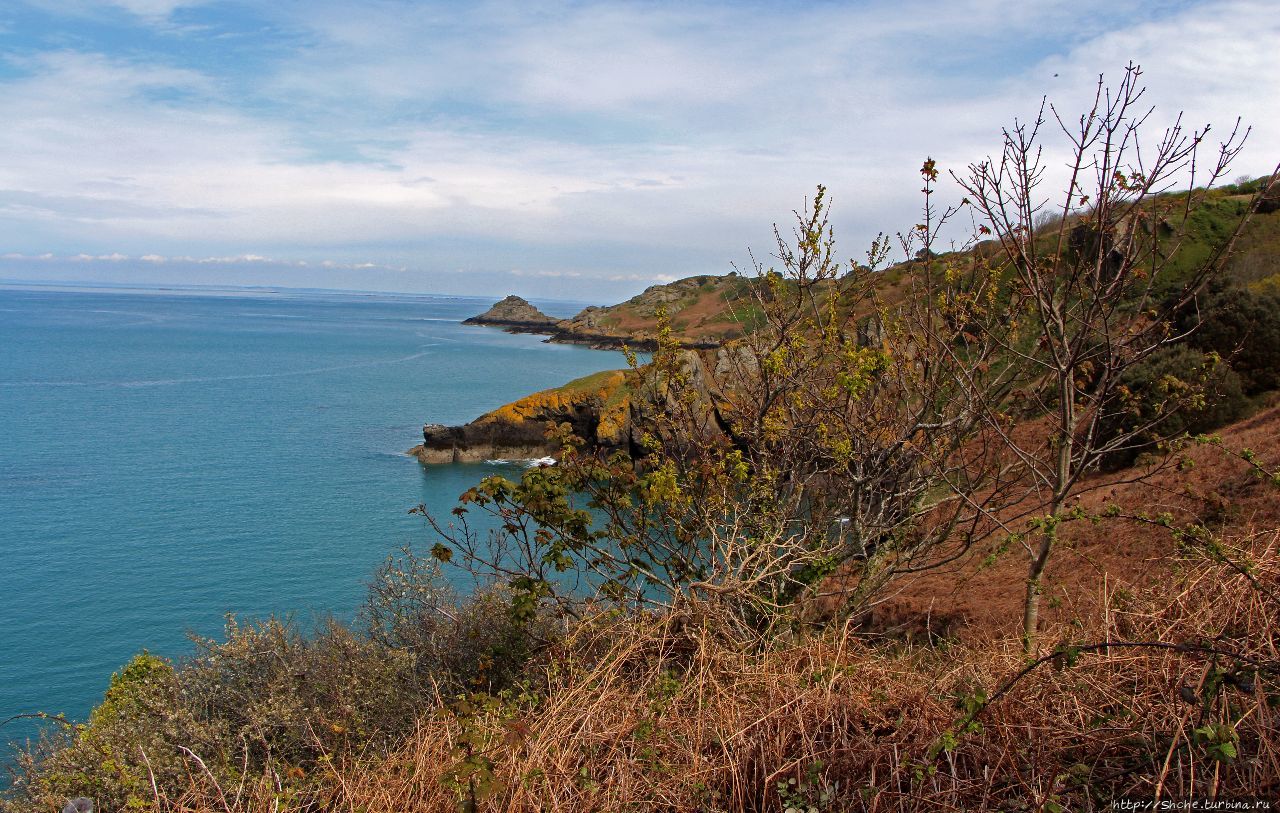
(603, 140)
(153, 9)
(152, 12)
(518, 272)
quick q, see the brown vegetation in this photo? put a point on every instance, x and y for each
(660, 714)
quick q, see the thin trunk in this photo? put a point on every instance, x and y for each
(1061, 486)
(1031, 604)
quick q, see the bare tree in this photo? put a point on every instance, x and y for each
(1098, 291)
(838, 444)
(862, 430)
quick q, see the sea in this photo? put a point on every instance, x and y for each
(169, 457)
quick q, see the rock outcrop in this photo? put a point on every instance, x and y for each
(597, 407)
(515, 314)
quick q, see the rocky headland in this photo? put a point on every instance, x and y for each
(597, 407)
(704, 312)
(708, 315)
(603, 409)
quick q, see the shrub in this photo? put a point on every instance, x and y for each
(459, 645)
(126, 741)
(1242, 326)
(276, 705)
(1177, 390)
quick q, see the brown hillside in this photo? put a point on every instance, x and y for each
(704, 311)
(977, 599)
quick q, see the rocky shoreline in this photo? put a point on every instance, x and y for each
(602, 409)
(598, 408)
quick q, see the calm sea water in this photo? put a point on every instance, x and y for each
(169, 457)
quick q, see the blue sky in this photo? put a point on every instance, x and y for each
(577, 150)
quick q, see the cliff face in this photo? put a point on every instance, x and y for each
(597, 407)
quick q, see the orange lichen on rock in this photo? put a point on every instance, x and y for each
(602, 392)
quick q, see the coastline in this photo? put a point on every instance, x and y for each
(299, 406)
(596, 407)
(557, 334)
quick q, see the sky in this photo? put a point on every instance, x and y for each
(572, 150)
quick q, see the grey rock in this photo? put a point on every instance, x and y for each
(514, 312)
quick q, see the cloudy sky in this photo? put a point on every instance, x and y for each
(578, 150)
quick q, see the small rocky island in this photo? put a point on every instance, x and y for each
(516, 315)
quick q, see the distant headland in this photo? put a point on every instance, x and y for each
(704, 312)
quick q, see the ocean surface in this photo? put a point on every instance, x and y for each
(168, 457)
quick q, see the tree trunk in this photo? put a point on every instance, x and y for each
(1031, 604)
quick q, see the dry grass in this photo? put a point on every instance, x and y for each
(653, 714)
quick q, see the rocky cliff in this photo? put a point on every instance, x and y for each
(602, 409)
(597, 407)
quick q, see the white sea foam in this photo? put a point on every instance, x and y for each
(527, 462)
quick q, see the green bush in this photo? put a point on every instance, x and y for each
(127, 739)
(463, 646)
(1177, 390)
(1243, 327)
(292, 697)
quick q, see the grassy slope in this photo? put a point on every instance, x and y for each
(653, 716)
(718, 308)
(701, 309)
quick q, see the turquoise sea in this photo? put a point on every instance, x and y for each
(171, 456)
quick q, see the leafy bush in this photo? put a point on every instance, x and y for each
(113, 756)
(1177, 390)
(1242, 326)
